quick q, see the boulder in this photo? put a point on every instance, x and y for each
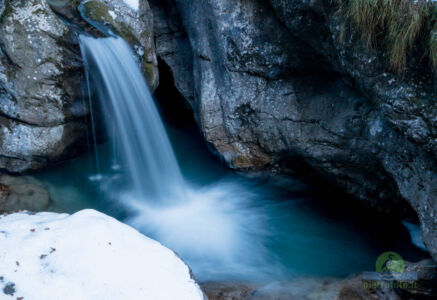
(22, 193)
(87, 255)
(41, 104)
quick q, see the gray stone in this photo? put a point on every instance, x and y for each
(40, 77)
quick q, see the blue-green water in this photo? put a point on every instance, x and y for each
(235, 227)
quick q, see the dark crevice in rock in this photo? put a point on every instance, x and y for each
(4, 53)
(173, 46)
(173, 106)
(19, 121)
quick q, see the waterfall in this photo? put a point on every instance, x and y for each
(211, 227)
(114, 76)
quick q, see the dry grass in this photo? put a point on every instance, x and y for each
(433, 45)
(396, 26)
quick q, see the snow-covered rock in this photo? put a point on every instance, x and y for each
(87, 255)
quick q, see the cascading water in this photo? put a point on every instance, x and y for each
(114, 75)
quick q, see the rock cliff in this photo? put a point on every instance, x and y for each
(277, 83)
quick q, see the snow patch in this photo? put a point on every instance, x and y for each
(112, 14)
(87, 255)
(134, 4)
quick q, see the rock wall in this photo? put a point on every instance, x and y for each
(272, 85)
(40, 95)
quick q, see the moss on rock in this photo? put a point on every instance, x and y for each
(8, 10)
(136, 27)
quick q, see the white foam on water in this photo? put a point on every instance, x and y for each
(95, 177)
(217, 231)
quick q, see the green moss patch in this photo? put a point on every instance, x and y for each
(8, 10)
(98, 12)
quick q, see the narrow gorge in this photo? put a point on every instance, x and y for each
(293, 142)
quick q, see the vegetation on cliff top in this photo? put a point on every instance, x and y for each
(396, 27)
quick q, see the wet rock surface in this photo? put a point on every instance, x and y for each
(273, 88)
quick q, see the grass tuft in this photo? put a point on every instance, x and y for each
(396, 26)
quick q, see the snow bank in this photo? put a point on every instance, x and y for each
(87, 255)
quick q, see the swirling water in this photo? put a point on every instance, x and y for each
(225, 226)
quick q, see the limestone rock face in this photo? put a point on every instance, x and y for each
(134, 24)
(40, 95)
(273, 88)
